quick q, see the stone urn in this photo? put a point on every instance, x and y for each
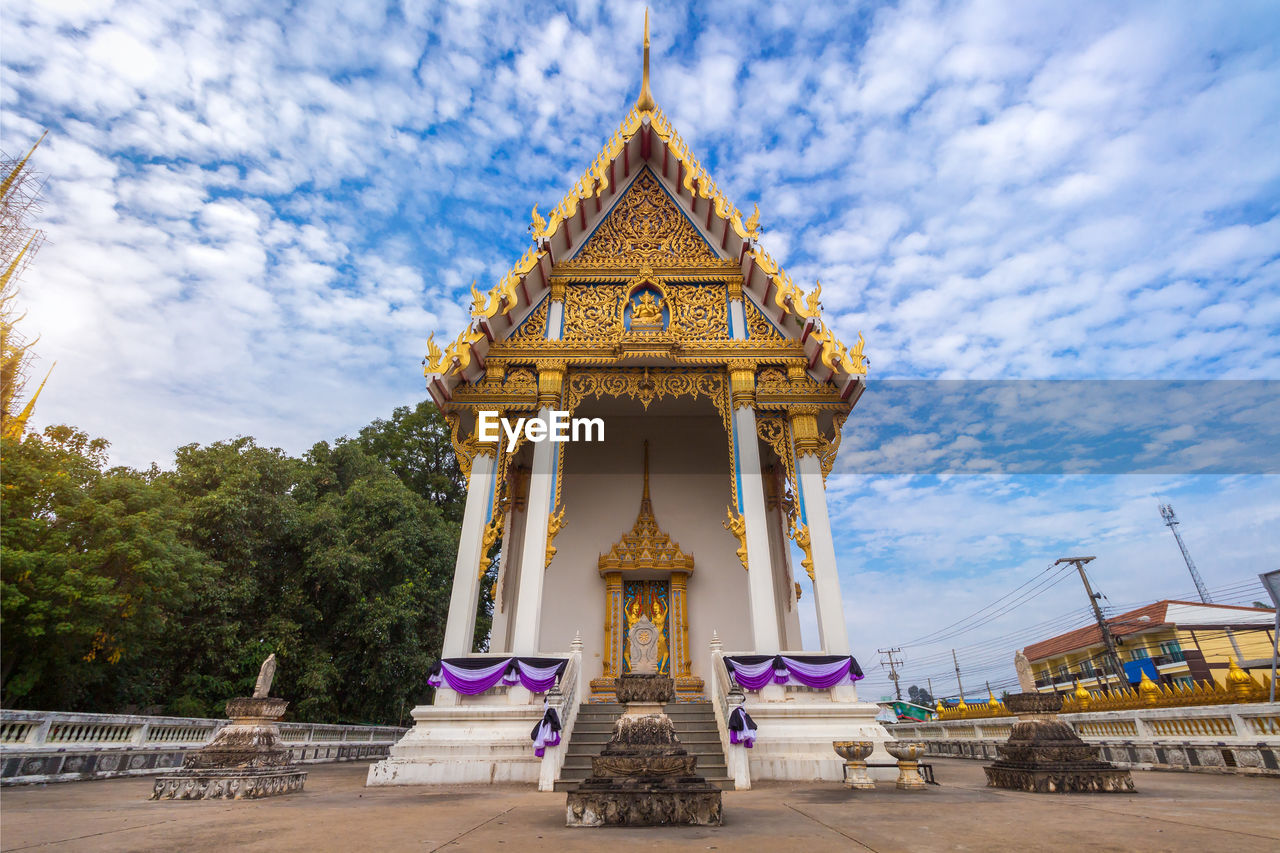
(855, 753)
(908, 755)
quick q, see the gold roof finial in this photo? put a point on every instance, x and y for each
(645, 102)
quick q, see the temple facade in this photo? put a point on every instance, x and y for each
(647, 305)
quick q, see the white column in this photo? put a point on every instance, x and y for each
(832, 632)
(555, 319)
(533, 552)
(525, 638)
(737, 313)
(555, 310)
(459, 631)
(760, 589)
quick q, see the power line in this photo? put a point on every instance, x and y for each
(933, 636)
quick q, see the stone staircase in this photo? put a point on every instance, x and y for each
(695, 724)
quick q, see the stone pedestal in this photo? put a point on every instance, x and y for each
(643, 776)
(854, 753)
(245, 760)
(908, 756)
(1045, 755)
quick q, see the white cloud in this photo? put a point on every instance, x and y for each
(254, 212)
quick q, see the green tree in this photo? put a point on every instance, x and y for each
(377, 574)
(414, 444)
(243, 515)
(94, 573)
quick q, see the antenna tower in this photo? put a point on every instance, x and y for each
(1171, 521)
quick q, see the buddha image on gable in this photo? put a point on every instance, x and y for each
(647, 311)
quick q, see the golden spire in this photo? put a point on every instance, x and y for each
(644, 498)
(17, 170)
(645, 102)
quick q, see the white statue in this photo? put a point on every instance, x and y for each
(1026, 680)
(265, 676)
(644, 646)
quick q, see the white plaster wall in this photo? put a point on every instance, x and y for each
(602, 491)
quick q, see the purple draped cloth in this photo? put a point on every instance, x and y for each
(742, 729)
(471, 676)
(546, 732)
(753, 672)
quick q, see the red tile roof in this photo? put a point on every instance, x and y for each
(1122, 625)
(1091, 635)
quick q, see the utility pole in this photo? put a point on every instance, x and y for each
(1112, 654)
(960, 685)
(934, 699)
(1171, 522)
(892, 663)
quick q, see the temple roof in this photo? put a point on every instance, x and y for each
(644, 143)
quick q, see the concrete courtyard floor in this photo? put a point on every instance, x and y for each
(1170, 811)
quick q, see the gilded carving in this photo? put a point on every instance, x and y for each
(775, 431)
(742, 381)
(550, 382)
(492, 531)
(463, 448)
(699, 313)
(534, 326)
(758, 326)
(645, 386)
(734, 286)
(736, 523)
(645, 227)
(593, 313)
(804, 430)
(555, 523)
(805, 542)
(831, 446)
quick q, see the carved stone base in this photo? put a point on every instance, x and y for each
(228, 784)
(1045, 755)
(245, 760)
(644, 688)
(643, 776)
(649, 807)
(1101, 780)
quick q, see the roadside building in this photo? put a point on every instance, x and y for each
(1173, 642)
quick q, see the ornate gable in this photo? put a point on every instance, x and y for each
(637, 278)
(644, 229)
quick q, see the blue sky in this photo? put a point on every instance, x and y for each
(255, 218)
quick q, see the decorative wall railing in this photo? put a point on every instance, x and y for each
(1242, 737)
(1241, 688)
(53, 746)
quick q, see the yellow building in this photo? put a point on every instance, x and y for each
(1174, 642)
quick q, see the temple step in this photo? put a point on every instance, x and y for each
(695, 724)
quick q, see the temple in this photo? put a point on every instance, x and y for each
(647, 302)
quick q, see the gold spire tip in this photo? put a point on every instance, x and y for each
(645, 102)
